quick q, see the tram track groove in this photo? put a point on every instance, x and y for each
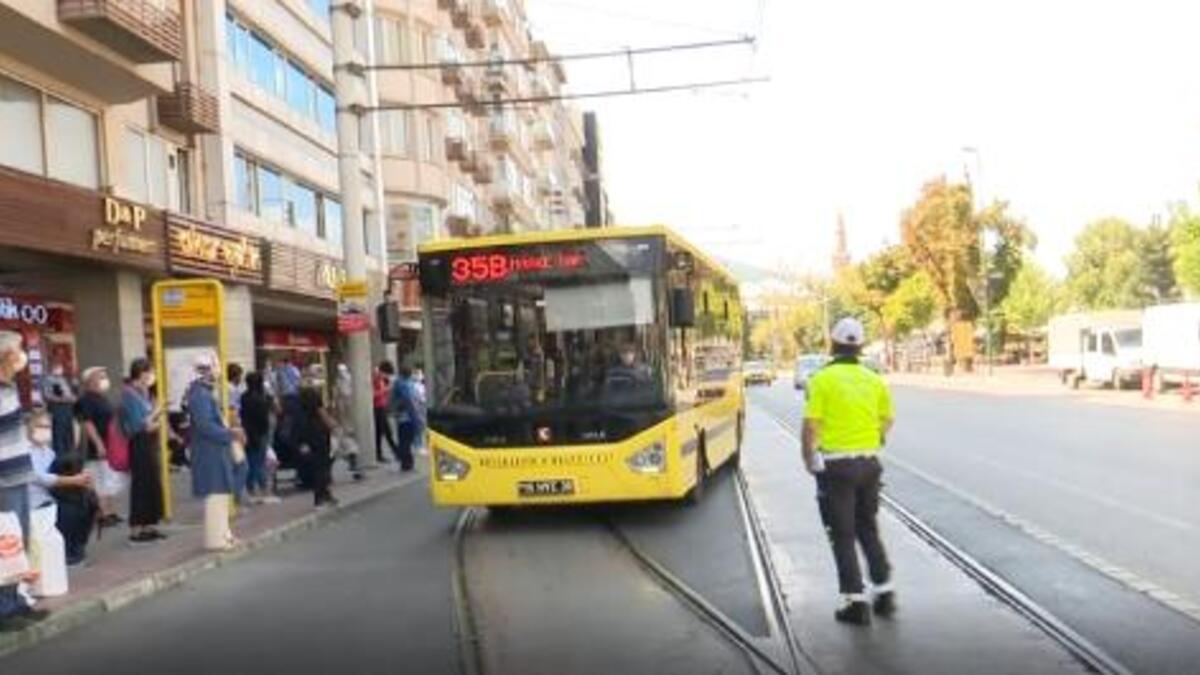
(466, 629)
(1085, 651)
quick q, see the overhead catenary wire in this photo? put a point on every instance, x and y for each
(559, 58)
(526, 100)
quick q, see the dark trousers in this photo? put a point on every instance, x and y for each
(76, 516)
(322, 475)
(383, 430)
(848, 498)
(62, 418)
(406, 433)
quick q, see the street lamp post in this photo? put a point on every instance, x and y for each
(348, 86)
(974, 181)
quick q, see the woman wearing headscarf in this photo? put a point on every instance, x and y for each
(212, 455)
(141, 422)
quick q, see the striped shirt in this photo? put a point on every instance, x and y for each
(16, 466)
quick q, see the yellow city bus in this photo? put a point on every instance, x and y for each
(579, 366)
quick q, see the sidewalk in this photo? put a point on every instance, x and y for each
(1041, 381)
(947, 623)
(118, 573)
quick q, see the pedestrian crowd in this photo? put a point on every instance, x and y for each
(66, 464)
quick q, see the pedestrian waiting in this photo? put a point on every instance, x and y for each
(254, 410)
(61, 481)
(60, 398)
(142, 422)
(96, 416)
(211, 445)
(48, 538)
(16, 473)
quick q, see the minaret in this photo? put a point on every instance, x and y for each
(841, 254)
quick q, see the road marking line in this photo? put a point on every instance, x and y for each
(1125, 577)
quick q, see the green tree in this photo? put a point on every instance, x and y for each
(942, 236)
(1116, 265)
(1033, 297)
(1184, 232)
(910, 307)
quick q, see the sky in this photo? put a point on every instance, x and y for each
(1078, 110)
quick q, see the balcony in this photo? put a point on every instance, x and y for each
(469, 161)
(462, 14)
(191, 109)
(484, 172)
(498, 81)
(544, 137)
(502, 132)
(495, 12)
(456, 149)
(136, 29)
(462, 224)
(476, 34)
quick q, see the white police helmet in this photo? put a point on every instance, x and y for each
(849, 331)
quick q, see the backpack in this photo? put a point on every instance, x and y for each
(118, 446)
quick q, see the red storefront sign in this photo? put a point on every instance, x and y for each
(282, 338)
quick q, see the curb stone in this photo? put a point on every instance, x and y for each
(87, 611)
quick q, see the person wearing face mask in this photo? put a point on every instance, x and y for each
(96, 412)
(212, 454)
(53, 486)
(60, 401)
(16, 473)
(141, 422)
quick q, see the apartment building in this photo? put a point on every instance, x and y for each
(145, 139)
(476, 167)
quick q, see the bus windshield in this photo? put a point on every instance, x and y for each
(563, 359)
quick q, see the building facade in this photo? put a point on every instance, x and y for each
(473, 167)
(148, 139)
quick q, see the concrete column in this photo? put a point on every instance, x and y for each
(217, 149)
(239, 326)
(110, 314)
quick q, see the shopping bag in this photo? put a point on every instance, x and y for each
(14, 563)
(47, 552)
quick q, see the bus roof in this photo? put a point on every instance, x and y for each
(585, 234)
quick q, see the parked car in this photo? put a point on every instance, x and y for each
(1097, 347)
(758, 372)
(806, 366)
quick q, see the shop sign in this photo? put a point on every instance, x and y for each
(330, 276)
(122, 230)
(352, 306)
(189, 306)
(279, 338)
(213, 252)
(31, 313)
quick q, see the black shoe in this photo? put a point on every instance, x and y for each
(885, 604)
(143, 538)
(856, 613)
(32, 615)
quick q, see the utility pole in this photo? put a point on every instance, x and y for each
(984, 263)
(350, 86)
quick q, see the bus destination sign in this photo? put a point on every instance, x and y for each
(482, 268)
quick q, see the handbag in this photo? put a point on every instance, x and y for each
(117, 445)
(14, 563)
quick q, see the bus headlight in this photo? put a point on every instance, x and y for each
(450, 468)
(651, 459)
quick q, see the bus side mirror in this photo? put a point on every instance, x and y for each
(683, 308)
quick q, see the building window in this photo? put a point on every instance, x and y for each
(136, 184)
(301, 92)
(370, 231)
(393, 132)
(390, 40)
(271, 204)
(331, 220)
(181, 200)
(429, 139)
(302, 207)
(268, 67)
(320, 8)
(243, 178)
(423, 217)
(48, 136)
(326, 110)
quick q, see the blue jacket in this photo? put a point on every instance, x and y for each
(404, 402)
(211, 443)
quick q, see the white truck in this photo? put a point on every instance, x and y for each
(1171, 335)
(1097, 347)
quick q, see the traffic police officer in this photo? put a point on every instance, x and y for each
(846, 418)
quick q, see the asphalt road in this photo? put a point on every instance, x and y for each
(1091, 510)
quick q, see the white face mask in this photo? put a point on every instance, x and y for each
(150, 380)
(41, 436)
(103, 385)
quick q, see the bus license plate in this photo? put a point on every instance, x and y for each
(546, 488)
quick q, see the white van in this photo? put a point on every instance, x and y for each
(1099, 347)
